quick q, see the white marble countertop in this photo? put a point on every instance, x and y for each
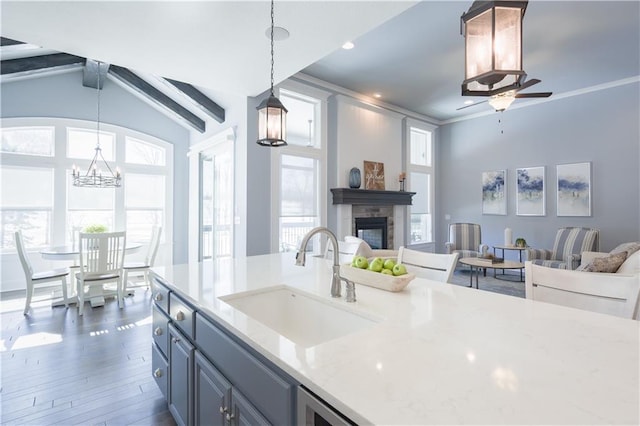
(441, 354)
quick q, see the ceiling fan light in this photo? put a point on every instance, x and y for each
(502, 101)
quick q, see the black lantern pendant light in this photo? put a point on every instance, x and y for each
(493, 47)
(272, 115)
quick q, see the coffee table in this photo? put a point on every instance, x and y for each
(477, 264)
(503, 248)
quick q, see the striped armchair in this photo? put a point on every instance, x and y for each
(567, 249)
(465, 239)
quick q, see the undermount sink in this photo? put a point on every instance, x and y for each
(303, 318)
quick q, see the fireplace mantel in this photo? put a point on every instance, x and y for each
(371, 197)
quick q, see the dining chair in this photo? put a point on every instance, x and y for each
(141, 269)
(347, 249)
(101, 261)
(437, 267)
(39, 280)
(583, 290)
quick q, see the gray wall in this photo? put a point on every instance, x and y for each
(599, 127)
(63, 96)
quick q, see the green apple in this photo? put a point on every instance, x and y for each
(399, 269)
(362, 262)
(376, 265)
(353, 261)
(386, 271)
(389, 264)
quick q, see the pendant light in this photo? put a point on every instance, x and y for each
(96, 177)
(493, 47)
(272, 115)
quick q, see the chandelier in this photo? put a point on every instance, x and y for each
(272, 114)
(95, 177)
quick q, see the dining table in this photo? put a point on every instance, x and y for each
(71, 253)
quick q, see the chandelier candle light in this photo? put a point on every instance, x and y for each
(94, 177)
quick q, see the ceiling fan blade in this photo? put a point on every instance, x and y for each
(470, 105)
(528, 83)
(534, 95)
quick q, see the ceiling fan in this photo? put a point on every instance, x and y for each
(502, 100)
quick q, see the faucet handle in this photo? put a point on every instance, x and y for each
(351, 290)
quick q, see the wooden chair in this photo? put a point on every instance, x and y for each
(437, 267)
(39, 280)
(348, 248)
(141, 269)
(101, 261)
(617, 295)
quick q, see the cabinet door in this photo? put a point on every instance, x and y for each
(212, 394)
(244, 413)
(180, 377)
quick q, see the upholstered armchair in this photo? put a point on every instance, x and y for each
(466, 240)
(567, 248)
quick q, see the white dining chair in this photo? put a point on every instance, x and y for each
(583, 290)
(101, 262)
(141, 269)
(39, 280)
(432, 266)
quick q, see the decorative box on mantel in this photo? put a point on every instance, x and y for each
(371, 197)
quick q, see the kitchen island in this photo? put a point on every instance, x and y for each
(435, 353)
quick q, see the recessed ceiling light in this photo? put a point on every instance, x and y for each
(348, 45)
(377, 95)
(468, 102)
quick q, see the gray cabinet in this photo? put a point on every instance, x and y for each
(217, 402)
(180, 377)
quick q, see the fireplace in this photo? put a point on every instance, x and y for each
(373, 230)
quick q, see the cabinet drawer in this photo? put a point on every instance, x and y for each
(159, 329)
(272, 395)
(160, 369)
(160, 295)
(182, 315)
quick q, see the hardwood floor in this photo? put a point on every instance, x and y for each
(59, 368)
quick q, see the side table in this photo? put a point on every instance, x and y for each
(503, 248)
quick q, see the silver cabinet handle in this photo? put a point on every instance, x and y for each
(175, 340)
(229, 417)
(157, 297)
(180, 316)
(223, 410)
(157, 373)
(158, 331)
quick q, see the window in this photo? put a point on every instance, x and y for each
(27, 204)
(420, 174)
(28, 141)
(40, 153)
(301, 175)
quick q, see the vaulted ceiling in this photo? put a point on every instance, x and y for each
(412, 54)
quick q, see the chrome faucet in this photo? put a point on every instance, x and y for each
(336, 278)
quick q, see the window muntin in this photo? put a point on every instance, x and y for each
(141, 152)
(26, 204)
(81, 144)
(29, 141)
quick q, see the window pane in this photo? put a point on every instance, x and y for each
(293, 230)
(78, 220)
(144, 191)
(79, 198)
(29, 140)
(140, 222)
(301, 123)
(298, 186)
(139, 152)
(35, 226)
(26, 187)
(421, 231)
(420, 147)
(420, 209)
(81, 143)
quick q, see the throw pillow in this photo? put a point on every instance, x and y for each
(609, 263)
(629, 248)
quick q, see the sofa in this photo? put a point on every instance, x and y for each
(594, 284)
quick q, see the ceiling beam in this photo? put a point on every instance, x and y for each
(8, 42)
(204, 102)
(138, 84)
(34, 63)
